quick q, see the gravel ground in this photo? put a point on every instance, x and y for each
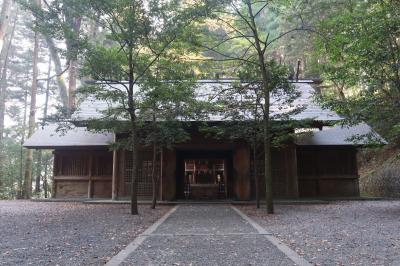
(53, 233)
(206, 235)
(222, 250)
(339, 233)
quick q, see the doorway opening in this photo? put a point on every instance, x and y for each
(204, 175)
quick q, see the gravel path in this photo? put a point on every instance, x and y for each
(340, 233)
(206, 235)
(53, 233)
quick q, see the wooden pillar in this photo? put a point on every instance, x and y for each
(114, 185)
(169, 179)
(90, 182)
(241, 165)
(161, 175)
(56, 167)
(292, 176)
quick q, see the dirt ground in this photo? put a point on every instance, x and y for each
(339, 233)
(54, 233)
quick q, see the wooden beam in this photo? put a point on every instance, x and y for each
(114, 186)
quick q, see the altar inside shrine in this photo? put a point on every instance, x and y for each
(205, 179)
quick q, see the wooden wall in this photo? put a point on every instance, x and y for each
(144, 184)
(301, 171)
(327, 171)
(241, 172)
(284, 173)
(82, 173)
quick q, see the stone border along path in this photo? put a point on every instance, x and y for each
(206, 235)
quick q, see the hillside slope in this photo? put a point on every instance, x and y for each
(379, 170)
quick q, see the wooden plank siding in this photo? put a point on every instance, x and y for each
(297, 171)
(328, 171)
(82, 173)
(284, 173)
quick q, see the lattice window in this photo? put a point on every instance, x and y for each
(102, 164)
(74, 165)
(144, 171)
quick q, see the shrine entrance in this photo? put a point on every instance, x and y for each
(204, 175)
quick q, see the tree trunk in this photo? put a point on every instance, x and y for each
(134, 205)
(32, 114)
(267, 168)
(21, 169)
(256, 178)
(4, 20)
(72, 84)
(93, 30)
(154, 179)
(266, 111)
(46, 103)
(132, 114)
(5, 55)
(38, 172)
(59, 71)
(75, 24)
(45, 184)
(341, 94)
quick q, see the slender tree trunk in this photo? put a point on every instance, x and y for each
(21, 169)
(341, 93)
(93, 30)
(134, 205)
(39, 158)
(132, 114)
(266, 111)
(38, 172)
(59, 71)
(75, 23)
(256, 178)
(53, 189)
(32, 114)
(267, 168)
(154, 179)
(45, 184)
(72, 84)
(4, 20)
(5, 55)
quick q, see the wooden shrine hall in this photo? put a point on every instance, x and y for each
(321, 164)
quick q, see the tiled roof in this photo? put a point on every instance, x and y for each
(360, 134)
(49, 137)
(92, 108)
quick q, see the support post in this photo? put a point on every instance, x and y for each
(56, 167)
(114, 185)
(291, 160)
(241, 161)
(161, 174)
(90, 182)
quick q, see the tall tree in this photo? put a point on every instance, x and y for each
(32, 113)
(4, 20)
(141, 34)
(59, 71)
(165, 106)
(60, 23)
(362, 59)
(43, 123)
(241, 18)
(3, 88)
